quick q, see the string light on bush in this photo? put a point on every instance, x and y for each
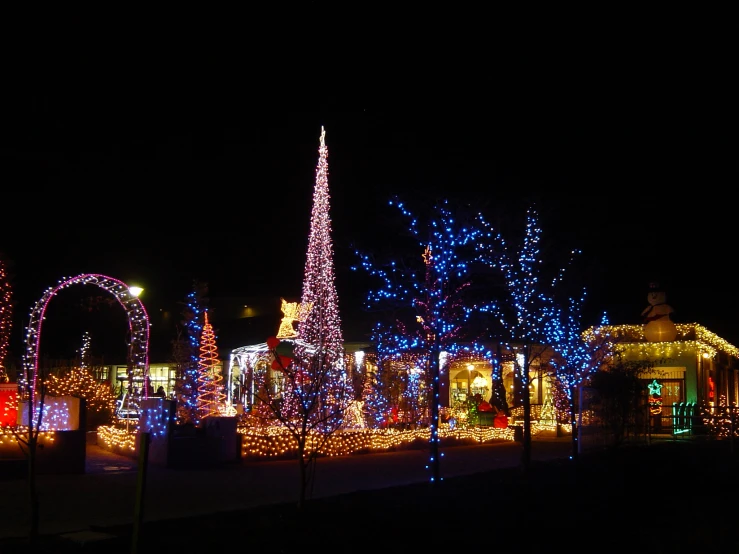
(79, 382)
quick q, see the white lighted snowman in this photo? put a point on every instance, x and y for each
(658, 327)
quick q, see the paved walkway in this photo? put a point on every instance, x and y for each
(106, 494)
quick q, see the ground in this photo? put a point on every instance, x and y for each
(669, 497)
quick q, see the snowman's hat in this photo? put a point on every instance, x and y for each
(654, 287)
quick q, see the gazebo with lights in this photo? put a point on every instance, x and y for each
(696, 370)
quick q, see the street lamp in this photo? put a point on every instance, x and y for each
(127, 399)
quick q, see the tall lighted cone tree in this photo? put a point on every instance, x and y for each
(6, 315)
(320, 330)
(308, 393)
(211, 398)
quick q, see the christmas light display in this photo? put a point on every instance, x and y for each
(116, 439)
(435, 286)
(6, 319)
(8, 404)
(575, 357)
(279, 443)
(60, 413)
(691, 339)
(304, 399)
(187, 355)
(138, 324)
(79, 382)
(292, 312)
(304, 388)
(354, 415)
(320, 328)
(85, 351)
(531, 304)
(722, 419)
(658, 327)
(211, 398)
(692, 342)
(655, 398)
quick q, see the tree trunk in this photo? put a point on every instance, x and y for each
(32, 492)
(434, 426)
(526, 452)
(303, 476)
(573, 424)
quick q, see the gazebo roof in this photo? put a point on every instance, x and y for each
(690, 336)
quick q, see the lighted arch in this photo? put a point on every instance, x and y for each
(138, 325)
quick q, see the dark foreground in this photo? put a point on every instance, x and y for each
(670, 497)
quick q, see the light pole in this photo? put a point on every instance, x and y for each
(126, 404)
(135, 291)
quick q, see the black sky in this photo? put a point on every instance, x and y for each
(183, 165)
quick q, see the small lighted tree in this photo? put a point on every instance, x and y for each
(303, 400)
(577, 354)
(211, 399)
(85, 351)
(185, 354)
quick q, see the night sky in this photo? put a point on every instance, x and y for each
(157, 183)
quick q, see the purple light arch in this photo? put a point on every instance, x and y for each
(138, 326)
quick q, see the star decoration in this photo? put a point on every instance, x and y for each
(655, 388)
(427, 255)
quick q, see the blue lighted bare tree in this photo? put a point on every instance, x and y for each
(528, 307)
(575, 358)
(428, 301)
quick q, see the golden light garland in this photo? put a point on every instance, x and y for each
(691, 338)
(9, 437)
(277, 442)
(117, 439)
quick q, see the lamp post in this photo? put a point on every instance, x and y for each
(134, 292)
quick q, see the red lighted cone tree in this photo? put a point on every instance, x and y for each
(211, 398)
